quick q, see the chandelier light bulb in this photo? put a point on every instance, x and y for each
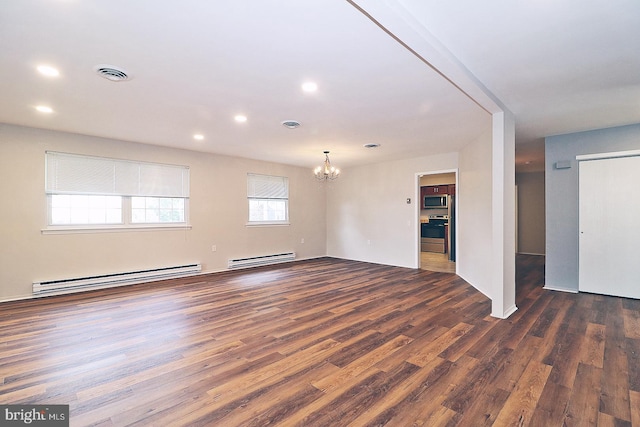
(326, 171)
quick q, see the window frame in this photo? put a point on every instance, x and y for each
(178, 182)
(131, 211)
(281, 194)
(127, 223)
(50, 213)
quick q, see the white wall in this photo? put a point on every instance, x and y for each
(474, 214)
(218, 212)
(561, 196)
(368, 204)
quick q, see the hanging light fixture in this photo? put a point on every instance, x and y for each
(326, 171)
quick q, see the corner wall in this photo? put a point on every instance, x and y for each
(561, 200)
(368, 218)
(218, 214)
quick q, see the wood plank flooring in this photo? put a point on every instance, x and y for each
(325, 342)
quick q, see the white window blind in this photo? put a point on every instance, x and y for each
(268, 199)
(267, 187)
(78, 174)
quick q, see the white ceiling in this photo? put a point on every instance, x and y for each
(558, 66)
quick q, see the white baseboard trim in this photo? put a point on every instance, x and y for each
(551, 288)
(508, 312)
(202, 273)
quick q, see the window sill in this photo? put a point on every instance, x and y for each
(84, 229)
(267, 223)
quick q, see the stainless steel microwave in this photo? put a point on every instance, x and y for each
(435, 202)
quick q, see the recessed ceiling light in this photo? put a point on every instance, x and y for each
(44, 109)
(240, 118)
(371, 145)
(291, 124)
(48, 71)
(198, 137)
(309, 87)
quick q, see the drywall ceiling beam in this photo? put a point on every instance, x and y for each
(392, 17)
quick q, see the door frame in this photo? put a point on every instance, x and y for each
(418, 175)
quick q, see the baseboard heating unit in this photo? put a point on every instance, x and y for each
(55, 287)
(261, 260)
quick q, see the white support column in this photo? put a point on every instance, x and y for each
(503, 271)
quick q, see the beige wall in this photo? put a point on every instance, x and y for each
(475, 238)
(218, 213)
(362, 216)
(531, 213)
(368, 218)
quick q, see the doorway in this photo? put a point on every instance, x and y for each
(437, 219)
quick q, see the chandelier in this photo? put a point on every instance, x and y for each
(326, 171)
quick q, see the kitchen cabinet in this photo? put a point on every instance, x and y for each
(452, 189)
(435, 190)
(423, 192)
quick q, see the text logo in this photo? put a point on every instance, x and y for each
(34, 415)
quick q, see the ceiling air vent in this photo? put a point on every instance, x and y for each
(112, 73)
(291, 124)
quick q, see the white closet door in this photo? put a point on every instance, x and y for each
(609, 226)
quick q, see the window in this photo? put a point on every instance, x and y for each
(95, 192)
(157, 209)
(268, 198)
(67, 209)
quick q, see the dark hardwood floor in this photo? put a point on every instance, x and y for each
(325, 343)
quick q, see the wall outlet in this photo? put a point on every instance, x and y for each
(213, 248)
(368, 242)
(302, 240)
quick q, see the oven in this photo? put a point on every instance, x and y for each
(433, 229)
(432, 234)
